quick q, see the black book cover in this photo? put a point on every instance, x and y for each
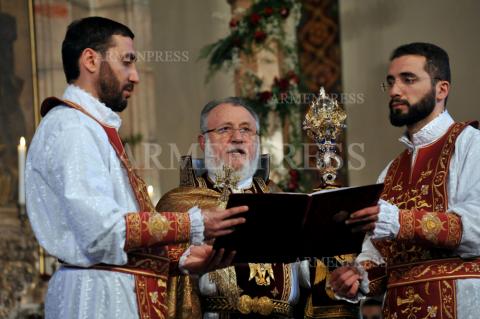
(282, 227)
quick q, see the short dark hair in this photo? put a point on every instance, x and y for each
(92, 32)
(233, 100)
(437, 64)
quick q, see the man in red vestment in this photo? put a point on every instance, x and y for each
(422, 249)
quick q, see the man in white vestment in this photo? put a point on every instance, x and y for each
(423, 249)
(85, 202)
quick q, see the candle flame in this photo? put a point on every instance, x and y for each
(22, 141)
(150, 190)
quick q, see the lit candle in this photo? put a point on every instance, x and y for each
(22, 151)
(150, 191)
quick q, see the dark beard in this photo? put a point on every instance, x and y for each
(416, 112)
(109, 91)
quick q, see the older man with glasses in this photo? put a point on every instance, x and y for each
(230, 137)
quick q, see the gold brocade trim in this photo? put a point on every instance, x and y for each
(182, 298)
(176, 251)
(449, 298)
(264, 306)
(226, 281)
(439, 185)
(407, 225)
(325, 312)
(141, 293)
(187, 174)
(287, 282)
(134, 231)
(455, 230)
(261, 183)
(138, 185)
(201, 182)
(183, 227)
(440, 269)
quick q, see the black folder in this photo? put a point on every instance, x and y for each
(284, 227)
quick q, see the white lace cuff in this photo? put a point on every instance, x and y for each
(363, 289)
(387, 225)
(197, 228)
(182, 260)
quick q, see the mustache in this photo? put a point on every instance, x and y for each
(395, 101)
(236, 150)
(129, 87)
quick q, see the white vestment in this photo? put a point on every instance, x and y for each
(77, 194)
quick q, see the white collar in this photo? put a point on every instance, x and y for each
(242, 185)
(92, 105)
(430, 132)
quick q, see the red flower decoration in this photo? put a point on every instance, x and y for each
(293, 174)
(233, 23)
(293, 77)
(283, 85)
(265, 96)
(260, 36)
(284, 12)
(255, 18)
(293, 180)
(267, 11)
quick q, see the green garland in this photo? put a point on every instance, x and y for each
(254, 28)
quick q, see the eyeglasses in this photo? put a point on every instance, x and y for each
(228, 131)
(405, 81)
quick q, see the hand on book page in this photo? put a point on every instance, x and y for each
(220, 222)
(363, 220)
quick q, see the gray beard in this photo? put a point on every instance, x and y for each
(215, 165)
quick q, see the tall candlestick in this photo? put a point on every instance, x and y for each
(22, 151)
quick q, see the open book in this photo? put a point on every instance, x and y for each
(282, 227)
